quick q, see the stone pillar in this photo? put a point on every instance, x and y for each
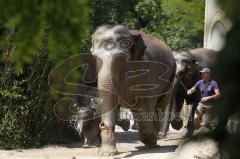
(216, 26)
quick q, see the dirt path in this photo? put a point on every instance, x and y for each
(128, 146)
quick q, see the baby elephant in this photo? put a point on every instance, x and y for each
(88, 121)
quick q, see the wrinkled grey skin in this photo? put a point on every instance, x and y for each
(110, 45)
(88, 120)
(189, 63)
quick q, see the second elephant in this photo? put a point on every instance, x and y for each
(189, 63)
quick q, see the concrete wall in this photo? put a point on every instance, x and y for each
(216, 26)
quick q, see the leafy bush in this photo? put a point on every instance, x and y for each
(179, 23)
(26, 117)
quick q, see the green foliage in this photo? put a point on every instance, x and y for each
(26, 19)
(148, 10)
(26, 116)
(121, 11)
(179, 23)
(32, 33)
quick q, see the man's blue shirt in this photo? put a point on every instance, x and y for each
(206, 88)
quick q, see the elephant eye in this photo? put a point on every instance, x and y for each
(126, 44)
(109, 45)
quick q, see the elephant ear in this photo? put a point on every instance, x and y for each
(138, 48)
(90, 73)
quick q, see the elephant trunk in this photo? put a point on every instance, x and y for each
(108, 106)
(107, 95)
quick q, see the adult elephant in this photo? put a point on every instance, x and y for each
(189, 63)
(135, 71)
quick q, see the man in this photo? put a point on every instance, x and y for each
(209, 93)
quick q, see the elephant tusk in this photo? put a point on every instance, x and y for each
(103, 126)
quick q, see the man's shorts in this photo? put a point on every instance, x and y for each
(204, 111)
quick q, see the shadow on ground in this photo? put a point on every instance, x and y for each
(144, 150)
(127, 137)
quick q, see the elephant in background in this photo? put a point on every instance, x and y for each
(134, 71)
(87, 125)
(189, 63)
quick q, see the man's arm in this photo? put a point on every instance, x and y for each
(215, 96)
(191, 91)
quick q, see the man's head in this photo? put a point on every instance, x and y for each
(205, 74)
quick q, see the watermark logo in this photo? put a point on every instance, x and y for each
(136, 79)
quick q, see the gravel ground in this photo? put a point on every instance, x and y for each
(171, 147)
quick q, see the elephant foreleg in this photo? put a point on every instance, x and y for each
(107, 128)
(147, 130)
(109, 114)
(190, 124)
(177, 122)
(147, 133)
(88, 139)
(165, 104)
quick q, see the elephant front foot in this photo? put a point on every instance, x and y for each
(190, 129)
(148, 134)
(177, 123)
(87, 140)
(108, 146)
(89, 143)
(86, 146)
(107, 150)
(149, 141)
